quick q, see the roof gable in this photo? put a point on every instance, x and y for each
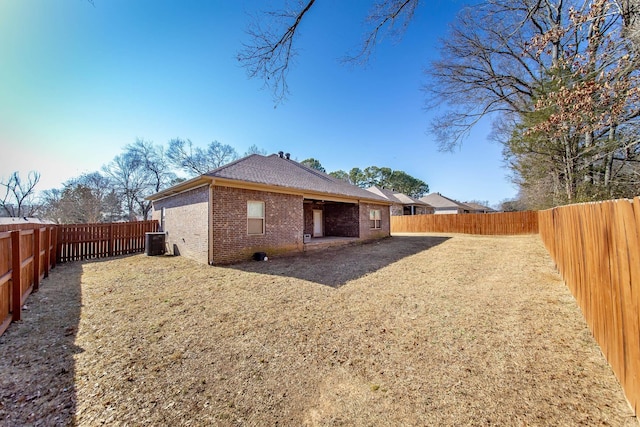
(439, 201)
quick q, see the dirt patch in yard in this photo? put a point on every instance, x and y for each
(452, 330)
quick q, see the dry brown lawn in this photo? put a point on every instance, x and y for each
(411, 331)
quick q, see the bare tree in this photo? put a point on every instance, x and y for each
(128, 178)
(18, 199)
(560, 79)
(196, 161)
(271, 48)
(254, 149)
(89, 198)
(157, 172)
(269, 53)
(486, 66)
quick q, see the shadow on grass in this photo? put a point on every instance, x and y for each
(37, 366)
(336, 266)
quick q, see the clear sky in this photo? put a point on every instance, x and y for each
(78, 82)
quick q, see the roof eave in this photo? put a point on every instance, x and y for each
(307, 194)
(190, 184)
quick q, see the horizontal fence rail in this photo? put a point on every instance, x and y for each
(29, 251)
(502, 223)
(596, 248)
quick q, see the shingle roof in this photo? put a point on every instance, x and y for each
(437, 200)
(24, 220)
(277, 171)
(478, 207)
(396, 197)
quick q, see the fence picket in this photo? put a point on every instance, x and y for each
(596, 248)
(502, 223)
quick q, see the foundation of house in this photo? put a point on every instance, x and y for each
(327, 242)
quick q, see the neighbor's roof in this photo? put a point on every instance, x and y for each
(479, 207)
(396, 197)
(23, 220)
(437, 200)
(276, 171)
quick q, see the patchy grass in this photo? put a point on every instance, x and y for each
(452, 330)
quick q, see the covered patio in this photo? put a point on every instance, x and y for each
(324, 218)
(315, 243)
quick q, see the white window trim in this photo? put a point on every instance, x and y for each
(377, 219)
(256, 217)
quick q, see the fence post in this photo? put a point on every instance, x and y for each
(110, 245)
(36, 259)
(16, 266)
(47, 251)
(53, 242)
(59, 244)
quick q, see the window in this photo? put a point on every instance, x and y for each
(374, 217)
(255, 217)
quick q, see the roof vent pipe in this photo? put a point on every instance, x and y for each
(280, 153)
(287, 156)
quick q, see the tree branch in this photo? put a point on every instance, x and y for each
(269, 53)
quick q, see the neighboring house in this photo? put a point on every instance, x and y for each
(24, 220)
(445, 205)
(401, 204)
(264, 204)
(478, 208)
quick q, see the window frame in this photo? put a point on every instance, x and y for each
(261, 218)
(375, 219)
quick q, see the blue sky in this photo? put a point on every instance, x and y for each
(79, 82)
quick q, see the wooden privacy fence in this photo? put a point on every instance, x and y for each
(596, 248)
(26, 256)
(88, 241)
(29, 251)
(504, 223)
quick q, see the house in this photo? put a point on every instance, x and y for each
(24, 220)
(445, 205)
(478, 208)
(401, 204)
(268, 204)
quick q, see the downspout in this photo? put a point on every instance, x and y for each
(210, 221)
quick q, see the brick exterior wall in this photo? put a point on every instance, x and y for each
(286, 219)
(283, 224)
(186, 223)
(341, 219)
(366, 232)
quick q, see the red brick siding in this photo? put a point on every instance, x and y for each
(366, 232)
(341, 219)
(186, 223)
(283, 224)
